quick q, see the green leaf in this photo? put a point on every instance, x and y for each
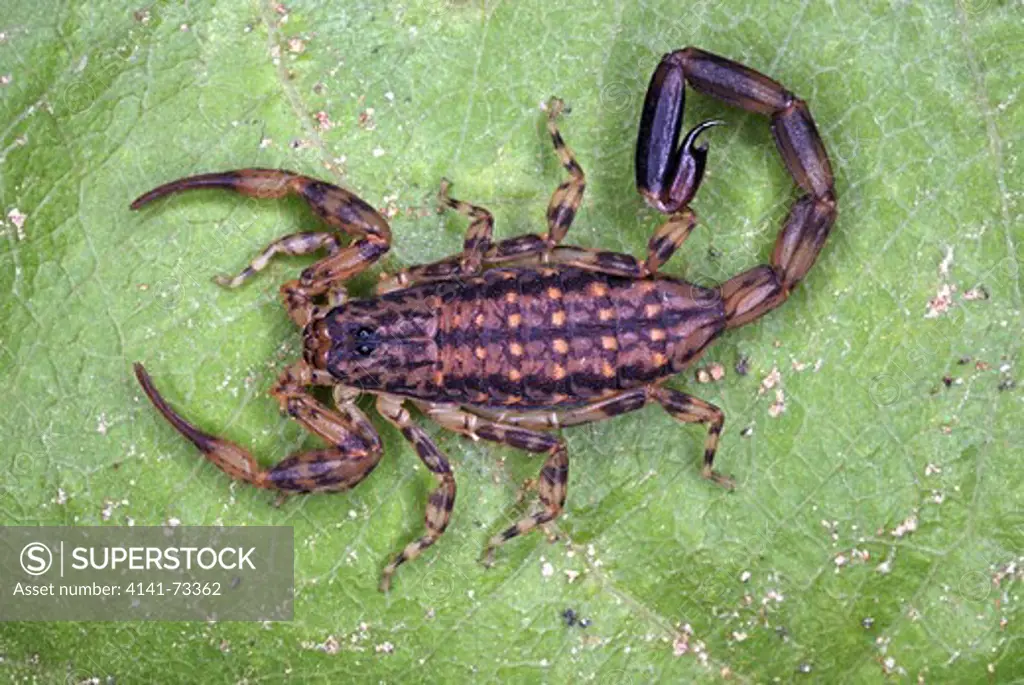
(877, 525)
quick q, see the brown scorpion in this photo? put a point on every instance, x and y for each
(508, 340)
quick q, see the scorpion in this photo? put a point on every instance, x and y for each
(511, 339)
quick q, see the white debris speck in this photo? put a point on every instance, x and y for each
(183, 27)
(378, 151)
(840, 561)
(946, 262)
(745, 576)
(942, 301)
(323, 121)
(938, 497)
(384, 648)
(174, 521)
(18, 219)
(266, 142)
(389, 96)
(5, 79)
(296, 45)
(547, 570)
(330, 645)
(932, 469)
(909, 525)
(779, 405)
(681, 645)
(107, 511)
(352, 513)
(978, 293)
(770, 381)
(739, 636)
(571, 575)
(102, 425)
(62, 497)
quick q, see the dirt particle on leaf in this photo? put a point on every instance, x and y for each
(330, 645)
(976, 293)
(547, 570)
(770, 381)
(779, 405)
(742, 366)
(323, 121)
(366, 120)
(940, 304)
(384, 648)
(296, 46)
(5, 79)
(907, 526)
(17, 218)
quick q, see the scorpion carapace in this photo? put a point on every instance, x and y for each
(508, 340)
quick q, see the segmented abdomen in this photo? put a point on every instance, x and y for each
(548, 337)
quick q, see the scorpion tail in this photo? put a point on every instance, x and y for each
(228, 456)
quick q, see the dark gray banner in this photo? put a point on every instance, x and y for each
(179, 573)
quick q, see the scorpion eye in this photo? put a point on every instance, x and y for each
(364, 345)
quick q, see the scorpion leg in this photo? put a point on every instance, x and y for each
(355, 448)
(554, 475)
(475, 246)
(340, 209)
(690, 409)
(292, 244)
(763, 288)
(678, 404)
(479, 249)
(478, 236)
(566, 199)
(442, 499)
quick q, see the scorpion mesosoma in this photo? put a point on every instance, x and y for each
(510, 339)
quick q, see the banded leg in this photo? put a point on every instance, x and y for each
(478, 235)
(599, 410)
(294, 244)
(355, 448)
(690, 409)
(442, 499)
(667, 239)
(554, 475)
(479, 249)
(668, 177)
(682, 406)
(566, 199)
(338, 208)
